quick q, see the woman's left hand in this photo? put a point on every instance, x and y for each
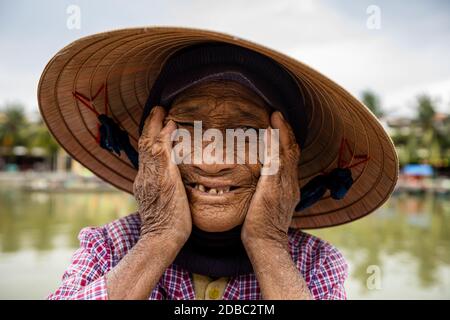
(264, 233)
(277, 193)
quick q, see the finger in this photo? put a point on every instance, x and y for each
(289, 148)
(271, 161)
(164, 139)
(165, 136)
(164, 143)
(287, 137)
(154, 123)
(267, 146)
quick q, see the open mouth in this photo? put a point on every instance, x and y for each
(212, 190)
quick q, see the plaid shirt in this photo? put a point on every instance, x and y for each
(321, 265)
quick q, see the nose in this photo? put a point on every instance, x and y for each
(213, 164)
(214, 169)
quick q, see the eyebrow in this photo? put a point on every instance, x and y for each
(192, 109)
(187, 109)
(251, 118)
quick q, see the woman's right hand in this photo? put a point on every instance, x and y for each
(158, 188)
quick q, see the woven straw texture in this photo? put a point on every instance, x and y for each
(129, 60)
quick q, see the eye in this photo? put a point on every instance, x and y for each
(185, 124)
(245, 128)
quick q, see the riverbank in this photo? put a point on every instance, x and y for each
(50, 181)
(439, 186)
(34, 181)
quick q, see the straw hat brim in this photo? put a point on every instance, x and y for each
(129, 60)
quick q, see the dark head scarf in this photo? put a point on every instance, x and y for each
(222, 254)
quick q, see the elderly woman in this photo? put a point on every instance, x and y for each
(212, 229)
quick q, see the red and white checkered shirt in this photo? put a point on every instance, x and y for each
(321, 265)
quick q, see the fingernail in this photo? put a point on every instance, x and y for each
(156, 148)
(154, 109)
(281, 115)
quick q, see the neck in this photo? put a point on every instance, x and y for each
(216, 254)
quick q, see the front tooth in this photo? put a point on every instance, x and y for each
(220, 191)
(196, 186)
(227, 189)
(201, 188)
(212, 191)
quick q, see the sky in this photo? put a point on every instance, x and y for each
(399, 49)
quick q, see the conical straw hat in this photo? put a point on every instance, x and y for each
(128, 61)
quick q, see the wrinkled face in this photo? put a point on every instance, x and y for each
(219, 194)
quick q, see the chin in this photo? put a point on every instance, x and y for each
(215, 219)
(219, 210)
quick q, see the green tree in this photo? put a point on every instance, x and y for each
(433, 137)
(372, 101)
(39, 136)
(425, 112)
(17, 130)
(12, 126)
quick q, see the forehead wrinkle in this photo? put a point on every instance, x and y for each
(249, 113)
(189, 109)
(222, 115)
(228, 114)
(243, 98)
(185, 109)
(218, 105)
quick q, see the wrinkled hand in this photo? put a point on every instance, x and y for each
(158, 188)
(273, 203)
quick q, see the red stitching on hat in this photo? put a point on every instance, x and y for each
(89, 103)
(349, 165)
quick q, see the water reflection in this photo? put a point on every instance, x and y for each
(408, 239)
(36, 219)
(412, 230)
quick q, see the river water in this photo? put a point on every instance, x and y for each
(402, 251)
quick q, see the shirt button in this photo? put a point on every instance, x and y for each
(213, 293)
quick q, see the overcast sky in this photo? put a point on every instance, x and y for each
(408, 55)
